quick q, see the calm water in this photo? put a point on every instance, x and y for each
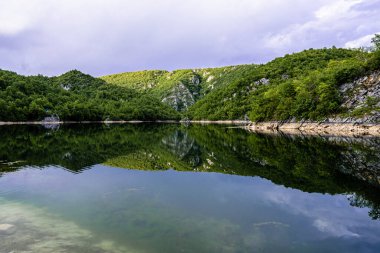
(173, 188)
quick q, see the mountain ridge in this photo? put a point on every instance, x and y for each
(304, 85)
(314, 84)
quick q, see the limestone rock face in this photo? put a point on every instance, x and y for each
(363, 93)
(210, 78)
(184, 95)
(50, 122)
(180, 98)
(51, 118)
(356, 93)
(263, 81)
(195, 80)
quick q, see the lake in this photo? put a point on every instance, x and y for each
(177, 188)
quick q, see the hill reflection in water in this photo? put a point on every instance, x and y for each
(310, 164)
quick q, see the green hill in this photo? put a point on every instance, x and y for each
(310, 85)
(290, 86)
(74, 96)
(180, 88)
(304, 85)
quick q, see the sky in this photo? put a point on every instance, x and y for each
(102, 37)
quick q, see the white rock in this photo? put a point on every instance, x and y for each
(210, 78)
(7, 228)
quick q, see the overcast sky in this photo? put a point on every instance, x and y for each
(101, 37)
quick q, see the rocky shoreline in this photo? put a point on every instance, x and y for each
(351, 129)
(347, 129)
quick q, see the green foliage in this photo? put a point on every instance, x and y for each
(345, 70)
(303, 85)
(374, 61)
(199, 82)
(225, 103)
(372, 101)
(75, 96)
(376, 42)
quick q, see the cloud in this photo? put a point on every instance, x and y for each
(337, 10)
(13, 18)
(334, 229)
(321, 211)
(100, 37)
(335, 23)
(364, 41)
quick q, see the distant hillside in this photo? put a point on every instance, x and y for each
(180, 88)
(316, 84)
(313, 84)
(304, 85)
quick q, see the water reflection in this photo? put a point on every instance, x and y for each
(310, 164)
(61, 191)
(116, 210)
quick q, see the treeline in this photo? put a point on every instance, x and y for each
(312, 95)
(304, 85)
(75, 96)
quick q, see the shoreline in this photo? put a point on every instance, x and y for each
(317, 128)
(229, 122)
(6, 123)
(344, 129)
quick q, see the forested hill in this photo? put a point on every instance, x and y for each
(181, 88)
(74, 96)
(314, 84)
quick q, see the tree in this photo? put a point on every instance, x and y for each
(376, 42)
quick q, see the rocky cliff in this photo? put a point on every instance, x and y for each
(361, 99)
(180, 88)
(184, 93)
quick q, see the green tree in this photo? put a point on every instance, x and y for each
(376, 42)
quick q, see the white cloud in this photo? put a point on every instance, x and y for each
(321, 211)
(364, 41)
(103, 36)
(333, 228)
(337, 10)
(335, 21)
(12, 19)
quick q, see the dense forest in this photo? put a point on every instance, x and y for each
(304, 85)
(74, 96)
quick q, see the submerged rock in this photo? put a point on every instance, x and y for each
(33, 230)
(7, 229)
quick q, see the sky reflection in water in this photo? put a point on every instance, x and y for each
(109, 209)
